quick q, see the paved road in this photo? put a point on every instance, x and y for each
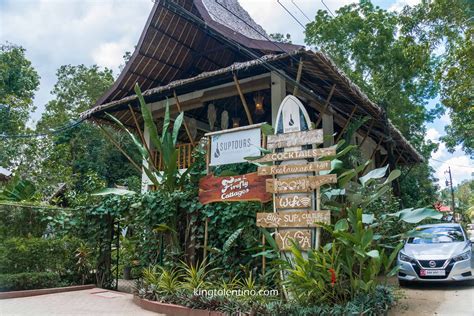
(93, 302)
(436, 299)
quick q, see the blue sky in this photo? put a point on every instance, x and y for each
(59, 32)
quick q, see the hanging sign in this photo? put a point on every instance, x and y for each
(314, 136)
(302, 237)
(246, 187)
(300, 184)
(293, 219)
(233, 145)
(291, 169)
(295, 155)
(295, 201)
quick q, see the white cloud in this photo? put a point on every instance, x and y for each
(274, 19)
(110, 54)
(462, 169)
(432, 134)
(56, 33)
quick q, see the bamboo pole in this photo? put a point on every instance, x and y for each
(188, 132)
(244, 102)
(298, 77)
(264, 261)
(206, 231)
(140, 132)
(368, 132)
(346, 124)
(326, 104)
(107, 134)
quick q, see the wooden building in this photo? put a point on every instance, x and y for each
(212, 58)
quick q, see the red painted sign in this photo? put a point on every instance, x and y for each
(245, 187)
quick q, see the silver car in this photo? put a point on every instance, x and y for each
(438, 252)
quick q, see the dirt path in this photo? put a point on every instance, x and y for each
(436, 299)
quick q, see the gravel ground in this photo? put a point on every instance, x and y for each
(454, 299)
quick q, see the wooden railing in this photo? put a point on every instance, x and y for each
(184, 160)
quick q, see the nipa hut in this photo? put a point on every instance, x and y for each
(221, 68)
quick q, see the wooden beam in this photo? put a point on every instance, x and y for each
(140, 132)
(373, 154)
(298, 76)
(346, 124)
(368, 132)
(325, 106)
(107, 134)
(244, 102)
(184, 121)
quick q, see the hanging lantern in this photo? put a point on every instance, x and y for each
(235, 121)
(211, 115)
(224, 120)
(258, 99)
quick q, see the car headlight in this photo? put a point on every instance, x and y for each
(464, 256)
(404, 257)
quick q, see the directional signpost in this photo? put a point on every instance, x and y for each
(296, 212)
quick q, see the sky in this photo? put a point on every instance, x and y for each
(60, 32)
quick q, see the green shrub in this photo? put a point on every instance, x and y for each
(18, 255)
(29, 281)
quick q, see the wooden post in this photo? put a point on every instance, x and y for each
(373, 154)
(346, 124)
(278, 92)
(205, 238)
(184, 121)
(244, 102)
(326, 104)
(298, 77)
(368, 132)
(264, 261)
(140, 133)
(107, 134)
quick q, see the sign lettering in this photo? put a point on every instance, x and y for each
(302, 154)
(294, 139)
(246, 187)
(234, 146)
(295, 201)
(302, 237)
(291, 169)
(299, 184)
(293, 219)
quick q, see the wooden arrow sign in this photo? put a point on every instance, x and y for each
(301, 236)
(292, 169)
(294, 139)
(293, 219)
(295, 201)
(300, 184)
(302, 154)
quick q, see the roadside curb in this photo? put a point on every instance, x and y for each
(171, 309)
(26, 293)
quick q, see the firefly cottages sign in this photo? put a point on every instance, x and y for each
(246, 187)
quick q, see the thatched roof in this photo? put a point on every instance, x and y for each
(318, 76)
(176, 43)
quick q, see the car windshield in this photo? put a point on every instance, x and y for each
(436, 235)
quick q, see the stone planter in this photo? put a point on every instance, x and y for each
(171, 309)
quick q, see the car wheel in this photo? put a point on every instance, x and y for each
(403, 283)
